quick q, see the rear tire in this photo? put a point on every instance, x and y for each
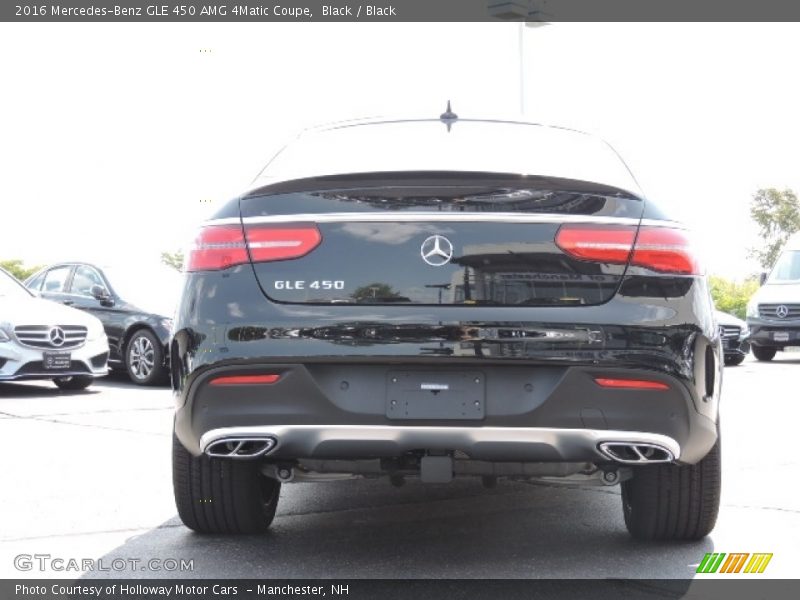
(74, 383)
(217, 495)
(733, 361)
(764, 353)
(671, 502)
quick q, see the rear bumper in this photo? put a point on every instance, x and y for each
(538, 444)
(530, 413)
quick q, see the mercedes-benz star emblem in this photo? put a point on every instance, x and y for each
(57, 336)
(437, 250)
(782, 311)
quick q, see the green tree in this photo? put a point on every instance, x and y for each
(173, 259)
(731, 296)
(777, 214)
(374, 291)
(16, 268)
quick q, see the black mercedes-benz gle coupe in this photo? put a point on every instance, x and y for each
(446, 298)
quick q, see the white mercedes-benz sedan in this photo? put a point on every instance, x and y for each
(40, 339)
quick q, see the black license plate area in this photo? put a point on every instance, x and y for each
(56, 361)
(435, 395)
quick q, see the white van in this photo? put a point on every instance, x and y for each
(773, 312)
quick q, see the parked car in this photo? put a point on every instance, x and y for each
(44, 340)
(134, 303)
(773, 312)
(444, 298)
(735, 338)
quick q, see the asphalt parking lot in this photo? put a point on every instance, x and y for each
(87, 476)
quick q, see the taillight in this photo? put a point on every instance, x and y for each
(217, 247)
(221, 246)
(665, 250)
(279, 243)
(661, 249)
(610, 244)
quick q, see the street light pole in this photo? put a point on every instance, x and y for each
(527, 15)
(521, 47)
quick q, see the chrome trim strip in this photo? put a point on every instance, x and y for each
(429, 217)
(225, 221)
(51, 374)
(412, 437)
(659, 223)
(439, 217)
(46, 346)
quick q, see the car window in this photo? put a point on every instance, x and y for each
(11, 288)
(55, 279)
(36, 282)
(787, 269)
(84, 279)
(427, 145)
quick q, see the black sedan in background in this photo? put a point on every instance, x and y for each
(735, 338)
(134, 304)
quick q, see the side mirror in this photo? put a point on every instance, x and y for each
(100, 293)
(762, 278)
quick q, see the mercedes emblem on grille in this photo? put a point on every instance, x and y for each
(782, 311)
(437, 250)
(57, 337)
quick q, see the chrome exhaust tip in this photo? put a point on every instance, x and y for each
(239, 447)
(631, 453)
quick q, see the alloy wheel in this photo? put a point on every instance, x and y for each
(141, 357)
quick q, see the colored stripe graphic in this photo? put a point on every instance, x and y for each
(727, 563)
(740, 564)
(758, 563)
(713, 562)
(734, 562)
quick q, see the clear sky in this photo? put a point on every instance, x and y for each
(115, 139)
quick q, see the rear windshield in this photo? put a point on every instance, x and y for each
(464, 146)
